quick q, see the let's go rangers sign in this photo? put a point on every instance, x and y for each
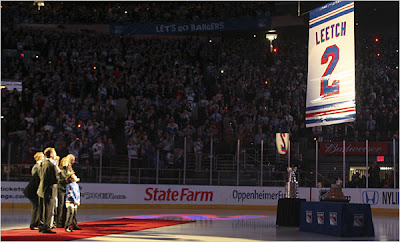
(331, 65)
(354, 148)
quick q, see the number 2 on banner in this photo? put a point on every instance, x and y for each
(326, 89)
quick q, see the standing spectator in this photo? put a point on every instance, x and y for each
(74, 148)
(69, 124)
(258, 137)
(109, 152)
(97, 150)
(189, 144)
(169, 159)
(133, 152)
(348, 130)
(49, 127)
(198, 152)
(178, 160)
(172, 127)
(129, 123)
(360, 124)
(148, 154)
(374, 175)
(370, 124)
(29, 120)
(179, 142)
(85, 158)
(389, 180)
(317, 131)
(89, 128)
(190, 96)
(300, 162)
(271, 141)
(289, 118)
(355, 181)
(216, 116)
(84, 113)
(189, 130)
(61, 146)
(168, 146)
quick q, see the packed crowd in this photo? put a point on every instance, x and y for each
(225, 89)
(131, 12)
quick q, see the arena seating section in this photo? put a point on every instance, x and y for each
(137, 95)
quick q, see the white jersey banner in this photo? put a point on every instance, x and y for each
(282, 143)
(331, 65)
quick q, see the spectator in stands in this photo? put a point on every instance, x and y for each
(389, 180)
(172, 127)
(109, 152)
(147, 153)
(374, 175)
(133, 152)
(356, 181)
(167, 147)
(198, 152)
(258, 137)
(370, 124)
(97, 150)
(300, 162)
(129, 123)
(85, 158)
(74, 149)
(141, 12)
(178, 160)
(179, 142)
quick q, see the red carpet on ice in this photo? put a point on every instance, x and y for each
(89, 229)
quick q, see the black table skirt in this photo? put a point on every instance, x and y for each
(288, 212)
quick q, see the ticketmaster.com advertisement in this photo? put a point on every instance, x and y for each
(92, 193)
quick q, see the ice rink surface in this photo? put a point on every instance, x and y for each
(210, 225)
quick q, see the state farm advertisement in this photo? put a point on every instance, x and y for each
(354, 148)
(148, 194)
(180, 194)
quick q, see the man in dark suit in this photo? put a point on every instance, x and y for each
(31, 192)
(374, 175)
(47, 190)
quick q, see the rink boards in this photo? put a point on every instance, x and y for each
(95, 195)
